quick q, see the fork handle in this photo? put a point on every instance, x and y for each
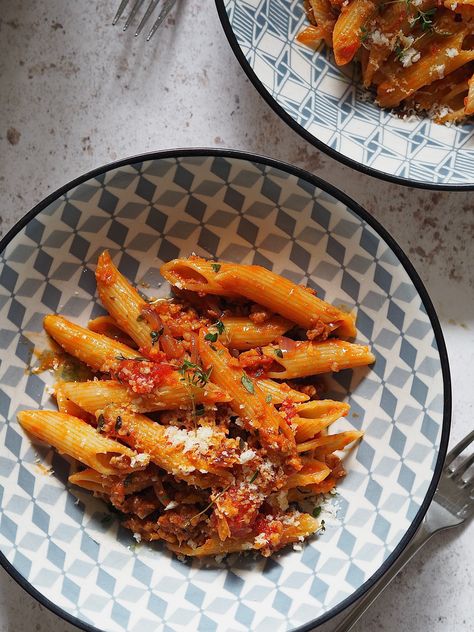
(418, 540)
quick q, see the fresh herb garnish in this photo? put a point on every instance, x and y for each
(316, 512)
(220, 327)
(213, 347)
(199, 409)
(364, 33)
(194, 373)
(100, 423)
(216, 267)
(425, 18)
(278, 353)
(188, 522)
(155, 335)
(322, 526)
(268, 399)
(253, 477)
(211, 337)
(118, 423)
(248, 384)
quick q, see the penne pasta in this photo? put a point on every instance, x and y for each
(242, 333)
(196, 274)
(346, 37)
(99, 352)
(67, 406)
(185, 455)
(95, 395)
(313, 358)
(329, 443)
(123, 302)
(312, 472)
(296, 529)
(72, 436)
(315, 416)
(294, 302)
(106, 325)
(278, 392)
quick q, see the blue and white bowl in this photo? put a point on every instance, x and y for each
(53, 538)
(328, 107)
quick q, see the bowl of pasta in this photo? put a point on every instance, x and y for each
(223, 387)
(385, 87)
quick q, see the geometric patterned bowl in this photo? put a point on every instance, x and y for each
(327, 106)
(62, 544)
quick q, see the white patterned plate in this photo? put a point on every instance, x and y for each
(325, 104)
(239, 208)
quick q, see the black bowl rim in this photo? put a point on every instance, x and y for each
(299, 129)
(417, 282)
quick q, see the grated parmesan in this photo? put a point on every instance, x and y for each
(440, 70)
(409, 57)
(198, 440)
(452, 52)
(247, 456)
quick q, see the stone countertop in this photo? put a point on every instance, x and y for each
(76, 94)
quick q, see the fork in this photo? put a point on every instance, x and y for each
(453, 504)
(165, 8)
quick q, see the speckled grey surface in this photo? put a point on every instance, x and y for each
(76, 93)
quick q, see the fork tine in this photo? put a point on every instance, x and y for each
(463, 467)
(169, 4)
(133, 12)
(149, 11)
(120, 10)
(456, 451)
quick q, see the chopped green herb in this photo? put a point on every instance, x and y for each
(198, 376)
(216, 267)
(253, 477)
(364, 33)
(316, 512)
(248, 384)
(213, 347)
(268, 399)
(278, 353)
(118, 423)
(211, 337)
(425, 18)
(322, 526)
(220, 327)
(100, 423)
(200, 409)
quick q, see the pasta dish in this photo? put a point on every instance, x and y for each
(417, 54)
(198, 422)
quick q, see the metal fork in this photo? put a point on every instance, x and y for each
(453, 504)
(165, 8)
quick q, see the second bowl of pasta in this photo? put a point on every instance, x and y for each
(385, 87)
(223, 385)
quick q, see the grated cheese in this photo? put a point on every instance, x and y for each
(409, 57)
(452, 52)
(247, 456)
(440, 70)
(380, 38)
(197, 440)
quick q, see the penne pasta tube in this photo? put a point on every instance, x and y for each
(76, 438)
(294, 302)
(313, 417)
(123, 302)
(95, 395)
(469, 101)
(329, 443)
(278, 392)
(312, 472)
(425, 71)
(196, 274)
(106, 325)
(303, 526)
(248, 401)
(312, 358)
(242, 333)
(346, 37)
(190, 456)
(99, 352)
(95, 482)
(67, 406)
